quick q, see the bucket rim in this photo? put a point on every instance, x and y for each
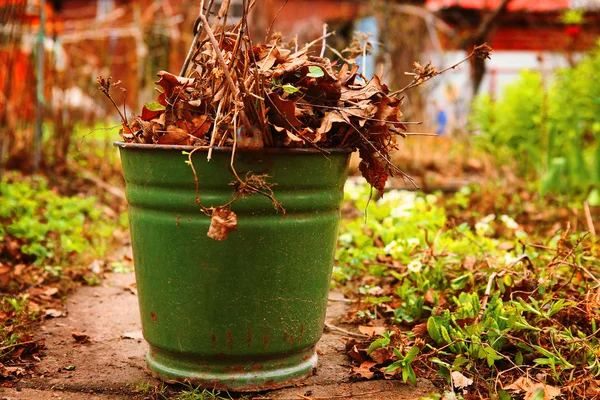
(271, 150)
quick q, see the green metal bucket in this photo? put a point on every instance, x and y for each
(243, 314)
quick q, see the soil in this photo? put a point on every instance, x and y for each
(111, 365)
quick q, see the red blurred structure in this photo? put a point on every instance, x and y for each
(513, 6)
(531, 25)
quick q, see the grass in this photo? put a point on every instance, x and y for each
(494, 285)
(192, 393)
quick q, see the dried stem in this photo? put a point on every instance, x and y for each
(324, 44)
(424, 74)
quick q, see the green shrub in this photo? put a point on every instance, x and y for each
(549, 127)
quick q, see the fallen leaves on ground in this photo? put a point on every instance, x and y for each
(533, 390)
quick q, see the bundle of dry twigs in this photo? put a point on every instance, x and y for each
(233, 93)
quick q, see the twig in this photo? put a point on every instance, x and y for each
(10, 346)
(190, 154)
(198, 33)
(364, 58)
(342, 300)
(337, 53)
(115, 191)
(588, 218)
(324, 45)
(105, 86)
(334, 328)
(342, 396)
(220, 58)
(268, 32)
(214, 132)
(486, 296)
(410, 179)
(309, 45)
(479, 51)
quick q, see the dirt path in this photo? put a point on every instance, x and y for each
(112, 366)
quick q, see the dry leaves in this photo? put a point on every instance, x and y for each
(80, 337)
(371, 330)
(279, 97)
(460, 381)
(222, 222)
(532, 390)
(248, 97)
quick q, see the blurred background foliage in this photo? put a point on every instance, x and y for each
(548, 128)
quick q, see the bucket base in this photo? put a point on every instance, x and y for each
(266, 375)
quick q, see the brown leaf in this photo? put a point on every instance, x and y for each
(290, 66)
(329, 119)
(200, 126)
(195, 103)
(373, 171)
(465, 322)
(469, 262)
(52, 313)
(4, 275)
(174, 135)
(222, 222)
(364, 370)
(80, 337)
(51, 291)
(531, 389)
(346, 75)
(282, 112)
(293, 137)
(147, 114)
(505, 246)
(429, 297)
(420, 330)
(357, 354)
(371, 330)
(169, 82)
(381, 355)
(460, 381)
(369, 90)
(268, 58)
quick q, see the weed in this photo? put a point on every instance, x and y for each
(192, 393)
(486, 296)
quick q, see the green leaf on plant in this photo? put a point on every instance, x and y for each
(289, 88)
(538, 394)
(519, 358)
(155, 106)
(460, 282)
(433, 330)
(412, 353)
(504, 395)
(394, 366)
(408, 373)
(379, 343)
(315, 72)
(378, 300)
